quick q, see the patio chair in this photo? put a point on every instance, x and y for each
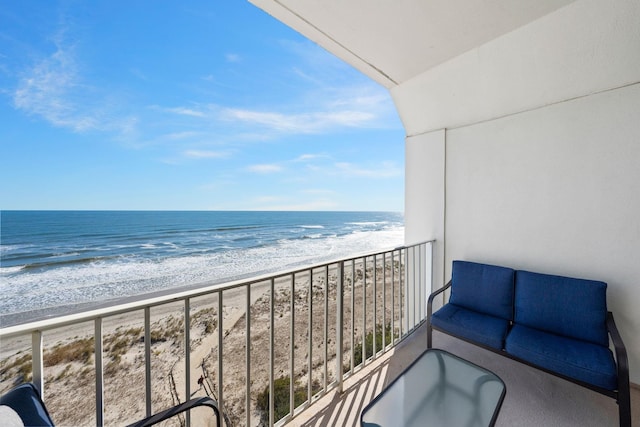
(22, 406)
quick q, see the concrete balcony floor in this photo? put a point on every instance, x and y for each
(533, 398)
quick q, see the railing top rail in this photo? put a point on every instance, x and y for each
(179, 295)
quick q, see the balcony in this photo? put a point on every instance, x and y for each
(121, 363)
(306, 332)
(521, 129)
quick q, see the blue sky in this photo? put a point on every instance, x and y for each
(199, 105)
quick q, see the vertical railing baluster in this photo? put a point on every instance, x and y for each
(412, 284)
(97, 338)
(423, 281)
(375, 306)
(402, 278)
(353, 312)
(384, 300)
(220, 366)
(425, 296)
(423, 275)
(418, 291)
(416, 306)
(272, 390)
(364, 310)
(393, 297)
(187, 356)
(37, 362)
(292, 344)
(248, 357)
(416, 285)
(309, 338)
(419, 283)
(326, 325)
(430, 270)
(420, 267)
(339, 323)
(147, 359)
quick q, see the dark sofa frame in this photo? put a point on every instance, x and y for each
(621, 395)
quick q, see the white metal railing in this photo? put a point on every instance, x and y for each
(384, 291)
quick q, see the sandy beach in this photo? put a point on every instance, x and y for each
(69, 372)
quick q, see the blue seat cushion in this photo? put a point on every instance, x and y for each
(471, 325)
(25, 401)
(483, 288)
(574, 308)
(584, 361)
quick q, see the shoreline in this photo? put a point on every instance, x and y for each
(10, 346)
(41, 314)
(167, 261)
(45, 313)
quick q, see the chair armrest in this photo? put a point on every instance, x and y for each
(621, 353)
(622, 365)
(432, 296)
(190, 404)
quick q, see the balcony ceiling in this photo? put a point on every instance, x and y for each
(392, 41)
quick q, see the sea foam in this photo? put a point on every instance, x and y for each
(129, 275)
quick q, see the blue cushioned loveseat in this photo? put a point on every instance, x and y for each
(557, 324)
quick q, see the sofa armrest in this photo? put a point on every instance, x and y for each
(431, 298)
(618, 345)
(430, 310)
(622, 364)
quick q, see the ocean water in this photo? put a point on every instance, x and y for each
(53, 261)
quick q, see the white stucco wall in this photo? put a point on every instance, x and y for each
(554, 190)
(426, 220)
(541, 160)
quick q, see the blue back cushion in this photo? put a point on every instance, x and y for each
(483, 288)
(574, 308)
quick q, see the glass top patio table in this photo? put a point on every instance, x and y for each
(438, 389)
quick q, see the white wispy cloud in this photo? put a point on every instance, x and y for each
(318, 191)
(310, 157)
(184, 111)
(54, 89)
(187, 134)
(232, 57)
(305, 76)
(205, 154)
(265, 168)
(299, 123)
(44, 88)
(320, 107)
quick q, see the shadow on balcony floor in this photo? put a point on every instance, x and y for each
(533, 398)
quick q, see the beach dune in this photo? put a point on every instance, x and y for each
(123, 338)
